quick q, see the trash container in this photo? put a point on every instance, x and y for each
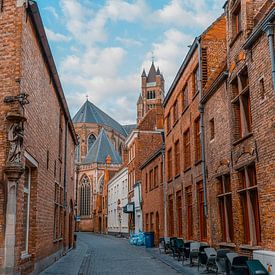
(149, 239)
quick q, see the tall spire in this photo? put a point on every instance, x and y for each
(143, 73)
(152, 74)
(158, 71)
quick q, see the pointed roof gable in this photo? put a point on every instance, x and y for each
(152, 74)
(89, 113)
(101, 148)
(143, 73)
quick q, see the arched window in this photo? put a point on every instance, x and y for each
(91, 140)
(85, 196)
(77, 150)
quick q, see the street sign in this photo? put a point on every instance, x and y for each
(77, 218)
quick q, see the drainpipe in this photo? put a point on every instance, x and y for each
(269, 30)
(201, 109)
(164, 183)
(65, 165)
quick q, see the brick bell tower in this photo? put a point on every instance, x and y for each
(152, 91)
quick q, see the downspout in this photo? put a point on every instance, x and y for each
(65, 165)
(164, 183)
(201, 109)
(269, 30)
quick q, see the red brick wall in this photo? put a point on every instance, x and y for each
(152, 200)
(212, 40)
(24, 70)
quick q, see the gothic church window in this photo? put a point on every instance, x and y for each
(77, 150)
(85, 196)
(91, 140)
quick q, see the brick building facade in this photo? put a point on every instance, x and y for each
(37, 139)
(152, 194)
(148, 132)
(231, 148)
(184, 163)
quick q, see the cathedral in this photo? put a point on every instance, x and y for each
(100, 152)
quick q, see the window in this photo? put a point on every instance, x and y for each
(77, 150)
(225, 207)
(146, 182)
(203, 225)
(60, 136)
(237, 21)
(177, 157)
(91, 140)
(85, 197)
(262, 88)
(168, 122)
(179, 212)
(151, 94)
(169, 165)
(171, 216)
(250, 205)
(197, 133)
(26, 210)
(156, 170)
(58, 211)
(241, 105)
(196, 76)
(151, 221)
(185, 97)
(189, 212)
(176, 111)
(147, 222)
(151, 180)
(187, 150)
(212, 129)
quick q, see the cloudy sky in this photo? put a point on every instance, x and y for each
(100, 47)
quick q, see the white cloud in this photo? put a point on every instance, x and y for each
(56, 37)
(169, 53)
(128, 42)
(188, 13)
(90, 69)
(52, 11)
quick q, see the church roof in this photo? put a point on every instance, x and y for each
(89, 113)
(152, 74)
(129, 128)
(101, 148)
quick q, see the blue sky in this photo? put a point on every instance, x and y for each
(100, 47)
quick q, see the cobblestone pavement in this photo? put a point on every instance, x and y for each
(100, 254)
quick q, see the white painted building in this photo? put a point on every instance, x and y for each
(117, 199)
(138, 210)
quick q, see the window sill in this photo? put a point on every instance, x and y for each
(177, 175)
(235, 38)
(250, 247)
(193, 97)
(175, 122)
(187, 169)
(57, 240)
(170, 130)
(225, 244)
(184, 110)
(169, 180)
(197, 162)
(242, 139)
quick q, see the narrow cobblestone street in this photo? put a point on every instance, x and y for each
(102, 254)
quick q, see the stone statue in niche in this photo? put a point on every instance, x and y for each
(15, 137)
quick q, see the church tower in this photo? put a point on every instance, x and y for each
(152, 91)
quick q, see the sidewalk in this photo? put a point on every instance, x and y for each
(69, 264)
(185, 269)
